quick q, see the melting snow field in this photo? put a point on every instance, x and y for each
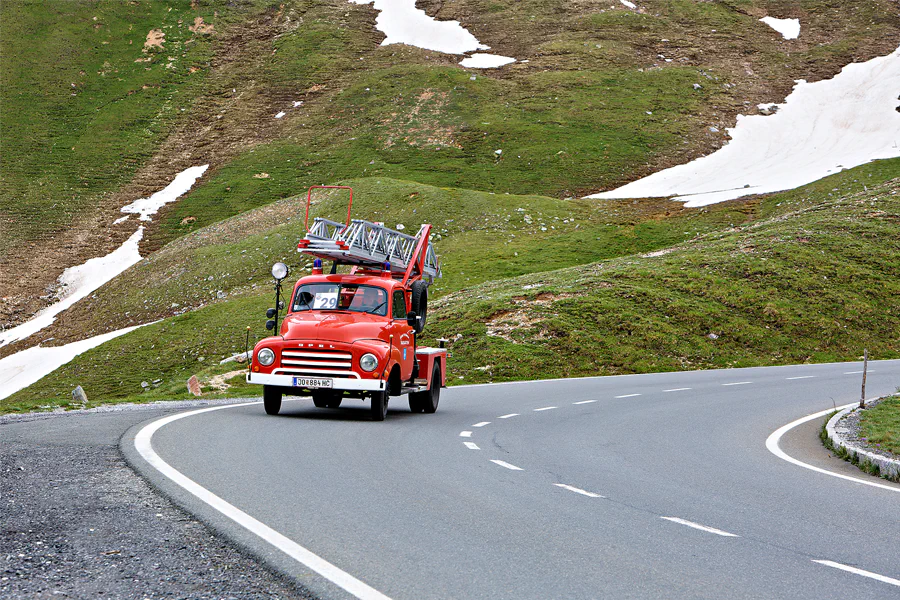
(820, 129)
(486, 61)
(788, 28)
(21, 369)
(403, 23)
(146, 207)
(79, 282)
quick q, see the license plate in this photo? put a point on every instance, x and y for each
(313, 382)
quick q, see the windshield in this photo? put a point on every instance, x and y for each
(336, 296)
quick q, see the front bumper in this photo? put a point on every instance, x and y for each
(340, 383)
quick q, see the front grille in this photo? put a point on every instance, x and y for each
(315, 362)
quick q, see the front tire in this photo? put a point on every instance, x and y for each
(271, 399)
(379, 405)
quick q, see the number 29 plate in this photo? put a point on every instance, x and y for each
(313, 382)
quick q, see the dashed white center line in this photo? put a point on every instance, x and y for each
(465, 434)
(545, 408)
(628, 396)
(584, 402)
(471, 445)
(509, 415)
(506, 465)
(858, 372)
(801, 377)
(482, 424)
(738, 383)
(677, 390)
(578, 491)
(856, 571)
(699, 526)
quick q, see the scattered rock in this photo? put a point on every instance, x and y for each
(220, 294)
(193, 386)
(78, 395)
(713, 336)
(261, 175)
(145, 385)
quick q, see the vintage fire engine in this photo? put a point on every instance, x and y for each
(354, 335)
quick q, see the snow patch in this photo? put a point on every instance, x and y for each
(630, 5)
(179, 186)
(280, 114)
(820, 129)
(402, 23)
(21, 369)
(121, 219)
(788, 28)
(480, 60)
(77, 282)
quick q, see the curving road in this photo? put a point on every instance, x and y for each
(649, 486)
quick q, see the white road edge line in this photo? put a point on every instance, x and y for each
(858, 372)
(584, 402)
(509, 415)
(143, 443)
(506, 465)
(738, 383)
(800, 377)
(700, 527)
(545, 408)
(856, 571)
(482, 424)
(677, 389)
(628, 396)
(465, 434)
(471, 445)
(578, 491)
(773, 440)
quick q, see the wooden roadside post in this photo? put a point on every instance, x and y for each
(862, 398)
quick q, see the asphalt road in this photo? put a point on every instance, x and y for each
(650, 486)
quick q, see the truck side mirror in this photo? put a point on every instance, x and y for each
(270, 324)
(412, 319)
(270, 313)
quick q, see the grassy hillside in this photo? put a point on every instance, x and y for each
(812, 278)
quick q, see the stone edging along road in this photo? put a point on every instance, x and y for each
(837, 433)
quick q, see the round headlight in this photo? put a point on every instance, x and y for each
(279, 271)
(265, 357)
(368, 362)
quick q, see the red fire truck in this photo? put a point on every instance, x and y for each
(354, 335)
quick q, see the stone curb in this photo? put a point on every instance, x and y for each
(889, 467)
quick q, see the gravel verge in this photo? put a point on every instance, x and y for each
(79, 523)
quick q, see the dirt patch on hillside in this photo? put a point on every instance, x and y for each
(424, 124)
(155, 39)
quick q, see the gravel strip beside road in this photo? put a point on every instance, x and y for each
(78, 523)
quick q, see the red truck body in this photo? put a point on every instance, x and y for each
(353, 335)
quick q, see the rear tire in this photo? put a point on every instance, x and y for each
(379, 405)
(427, 402)
(271, 399)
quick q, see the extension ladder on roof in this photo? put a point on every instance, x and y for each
(371, 245)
